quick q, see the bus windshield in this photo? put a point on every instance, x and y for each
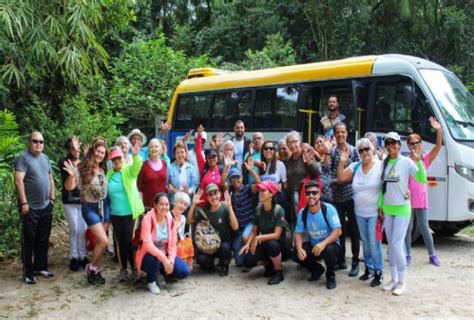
(454, 100)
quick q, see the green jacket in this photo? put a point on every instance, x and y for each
(129, 179)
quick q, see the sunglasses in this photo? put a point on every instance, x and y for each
(312, 193)
(364, 150)
(415, 143)
(268, 149)
(212, 193)
(35, 141)
(389, 142)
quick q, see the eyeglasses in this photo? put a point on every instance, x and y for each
(35, 141)
(212, 193)
(292, 142)
(414, 143)
(268, 149)
(389, 142)
(364, 150)
(313, 193)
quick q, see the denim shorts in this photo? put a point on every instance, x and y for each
(90, 213)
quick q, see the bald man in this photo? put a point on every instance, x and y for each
(35, 188)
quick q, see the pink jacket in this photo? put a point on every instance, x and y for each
(147, 236)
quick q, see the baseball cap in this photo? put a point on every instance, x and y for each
(115, 152)
(234, 172)
(211, 187)
(268, 185)
(392, 135)
(210, 151)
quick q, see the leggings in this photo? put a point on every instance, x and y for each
(395, 230)
(77, 231)
(264, 251)
(151, 265)
(123, 229)
(421, 216)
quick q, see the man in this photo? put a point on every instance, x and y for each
(328, 122)
(324, 228)
(342, 198)
(283, 151)
(241, 142)
(136, 136)
(35, 188)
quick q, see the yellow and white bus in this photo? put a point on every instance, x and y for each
(377, 93)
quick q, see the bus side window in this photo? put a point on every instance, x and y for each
(264, 101)
(421, 113)
(285, 108)
(391, 111)
(241, 104)
(184, 113)
(202, 104)
(222, 115)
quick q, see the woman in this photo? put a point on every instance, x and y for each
(209, 171)
(222, 218)
(157, 251)
(124, 144)
(264, 246)
(299, 165)
(180, 204)
(419, 194)
(274, 170)
(183, 175)
(89, 177)
(154, 175)
(72, 208)
(125, 204)
(395, 205)
(365, 176)
(228, 152)
(322, 145)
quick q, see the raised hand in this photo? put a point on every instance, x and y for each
(164, 127)
(434, 123)
(227, 199)
(197, 197)
(69, 167)
(85, 148)
(416, 154)
(200, 129)
(228, 161)
(188, 135)
(344, 155)
(328, 145)
(136, 148)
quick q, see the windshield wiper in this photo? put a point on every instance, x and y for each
(465, 123)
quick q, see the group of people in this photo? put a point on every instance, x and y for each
(266, 201)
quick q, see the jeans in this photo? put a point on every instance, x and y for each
(224, 254)
(396, 230)
(329, 255)
(372, 248)
(421, 216)
(77, 231)
(90, 213)
(35, 239)
(347, 209)
(238, 243)
(151, 265)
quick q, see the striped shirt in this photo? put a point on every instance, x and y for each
(243, 205)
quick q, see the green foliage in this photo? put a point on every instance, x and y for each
(143, 79)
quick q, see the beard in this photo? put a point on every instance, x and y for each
(239, 134)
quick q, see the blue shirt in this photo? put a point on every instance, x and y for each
(120, 206)
(317, 228)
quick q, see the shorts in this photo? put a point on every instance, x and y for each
(90, 213)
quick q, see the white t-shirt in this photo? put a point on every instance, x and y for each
(239, 151)
(366, 189)
(280, 173)
(402, 170)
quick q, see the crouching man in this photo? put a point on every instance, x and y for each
(322, 223)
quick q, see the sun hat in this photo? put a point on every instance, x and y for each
(137, 132)
(268, 185)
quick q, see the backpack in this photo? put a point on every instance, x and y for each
(324, 210)
(206, 238)
(286, 239)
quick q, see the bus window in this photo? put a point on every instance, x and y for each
(202, 104)
(184, 113)
(222, 114)
(241, 103)
(285, 108)
(264, 101)
(343, 92)
(391, 113)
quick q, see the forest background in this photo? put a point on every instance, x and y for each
(103, 67)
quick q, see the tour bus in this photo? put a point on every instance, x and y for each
(377, 93)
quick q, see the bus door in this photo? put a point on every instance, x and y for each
(308, 120)
(360, 99)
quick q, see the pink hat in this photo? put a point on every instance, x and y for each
(116, 152)
(268, 185)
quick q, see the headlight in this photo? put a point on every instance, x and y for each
(464, 172)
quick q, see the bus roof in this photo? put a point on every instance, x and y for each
(350, 67)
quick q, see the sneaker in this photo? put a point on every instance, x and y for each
(377, 280)
(408, 260)
(45, 273)
(389, 286)
(100, 279)
(354, 270)
(153, 288)
(434, 260)
(399, 290)
(367, 274)
(276, 278)
(223, 271)
(341, 265)
(316, 275)
(74, 264)
(29, 280)
(331, 282)
(84, 262)
(95, 278)
(123, 277)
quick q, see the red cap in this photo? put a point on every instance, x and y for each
(115, 153)
(268, 185)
